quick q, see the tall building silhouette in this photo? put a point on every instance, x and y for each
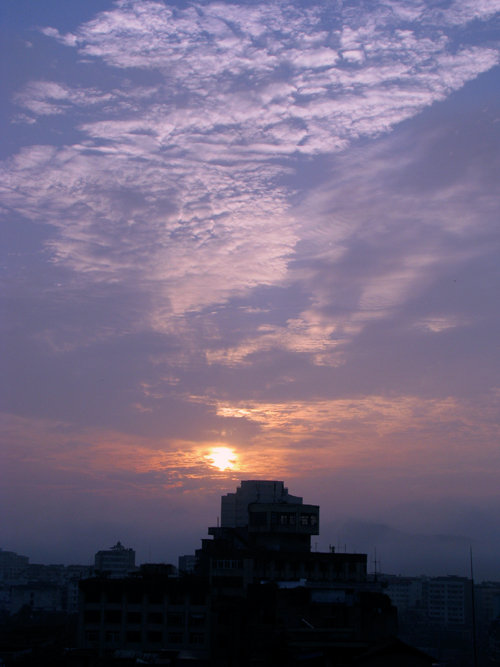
(258, 596)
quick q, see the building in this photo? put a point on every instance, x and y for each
(265, 535)
(442, 601)
(150, 612)
(449, 600)
(436, 613)
(187, 563)
(37, 596)
(13, 567)
(258, 594)
(115, 562)
(406, 593)
(234, 506)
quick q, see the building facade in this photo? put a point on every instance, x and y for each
(115, 562)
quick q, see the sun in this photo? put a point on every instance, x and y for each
(223, 458)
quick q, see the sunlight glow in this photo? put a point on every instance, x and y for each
(223, 458)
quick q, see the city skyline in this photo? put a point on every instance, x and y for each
(248, 240)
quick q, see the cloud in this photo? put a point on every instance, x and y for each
(180, 188)
(293, 437)
(462, 12)
(438, 324)
(402, 433)
(46, 98)
(311, 334)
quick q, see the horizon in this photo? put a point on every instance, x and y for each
(393, 545)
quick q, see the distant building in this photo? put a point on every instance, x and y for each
(53, 574)
(187, 563)
(13, 567)
(406, 593)
(449, 600)
(444, 601)
(435, 612)
(488, 602)
(115, 562)
(38, 596)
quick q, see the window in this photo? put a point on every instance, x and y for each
(198, 597)
(113, 616)
(228, 582)
(196, 620)
(134, 617)
(196, 638)
(133, 636)
(175, 619)
(134, 597)
(114, 596)
(92, 596)
(175, 637)
(111, 637)
(258, 518)
(92, 616)
(154, 636)
(227, 564)
(176, 597)
(155, 618)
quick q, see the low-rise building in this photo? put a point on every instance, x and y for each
(149, 612)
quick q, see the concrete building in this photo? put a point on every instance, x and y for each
(444, 601)
(13, 566)
(115, 562)
(265, 535)
(153, 611)
(449, 600)
(436, 613)
(487, 602)
(273, 591)
(406, 593)
(187, 563)
(258, 595)
(38, 596)
(234, 506)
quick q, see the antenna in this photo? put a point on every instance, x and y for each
(474, 642)
(375, 563)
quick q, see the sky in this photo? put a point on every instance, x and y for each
(251, 240)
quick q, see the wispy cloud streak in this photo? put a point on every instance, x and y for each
(180, 184)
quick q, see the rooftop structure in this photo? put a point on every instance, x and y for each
(264, 515)
(115, 562)
(234, 506)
